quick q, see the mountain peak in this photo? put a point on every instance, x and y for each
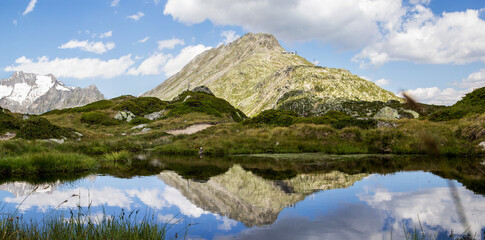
(255, 73)
(34, 93)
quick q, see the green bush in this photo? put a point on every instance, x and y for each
(141, 105)
(472, 103)
(274, 117)
(8, 121)
(188, 102)
(41, 128)
(139, 120)
(99, 105)
(98, 118)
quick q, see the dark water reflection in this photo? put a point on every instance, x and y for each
(277, 196)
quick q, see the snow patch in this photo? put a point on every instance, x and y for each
(62, 88)
(20, 92)
(41, 87)
(5, 91)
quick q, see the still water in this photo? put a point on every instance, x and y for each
(241, 203)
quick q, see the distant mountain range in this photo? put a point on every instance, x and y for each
(35, 94)
(255, 73)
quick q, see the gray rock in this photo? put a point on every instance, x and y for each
(202, 89)
(59, 141)
(45, 93)
(155, 115)
(415, 114)
(381, 124)
(124, 116)
(146, 130)
(387, 113)
(25, 117)
(139, 126)
(482, 145)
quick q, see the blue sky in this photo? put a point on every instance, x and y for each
(435, 49)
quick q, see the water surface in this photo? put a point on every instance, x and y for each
(341, 200)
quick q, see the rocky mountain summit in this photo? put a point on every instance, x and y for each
(255, 73)
(35, 94)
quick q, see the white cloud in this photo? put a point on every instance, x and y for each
(115, 3)
(95, 47)
(382, 82)
(229, 36)
(170, 43)
(186, 55)
(106, 34)
(30, 7)
(434, 95)
(335, 22)
(165, 63)
(457, 38)
(144, 39)
(384, 30)
(74, 67)
(474, 80)
(152, 65)
(156, 2)
(15, 22)
(422, 2)
(316, 62)
(136, 16)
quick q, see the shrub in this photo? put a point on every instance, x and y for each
(275, 117)
(139, 120)
(188, 102)
(98, 118)
(8, 121)
(41, 128)
(472, 103)
(141, 105)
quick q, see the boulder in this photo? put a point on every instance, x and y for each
(202, 89)
(139, 126)
(415, 114)
(124, 116)
(482, 145)
(387, 113)
(155, 115)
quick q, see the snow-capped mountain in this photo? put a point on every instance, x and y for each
(35, 94)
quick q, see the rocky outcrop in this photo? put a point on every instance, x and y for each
(387, 113)
(202, 89)
(253, 74)
(250, 199)
(124, 116)
(35, 94)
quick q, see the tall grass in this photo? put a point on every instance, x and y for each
(80, 224)
(46, 163)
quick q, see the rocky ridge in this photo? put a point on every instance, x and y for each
(255, 73)
(35, 94)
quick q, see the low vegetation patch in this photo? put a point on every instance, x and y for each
(41, 128)
(45, 163)
(188, 102)
(472, 103)
(98, 118)
(8, 121)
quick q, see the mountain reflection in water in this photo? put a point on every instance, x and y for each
(338, 203)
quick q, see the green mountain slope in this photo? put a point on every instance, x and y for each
(254, 73)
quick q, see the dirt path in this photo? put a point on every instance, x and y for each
(190, 130)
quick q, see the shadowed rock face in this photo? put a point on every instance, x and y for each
(35, 94)
(252, 73)
(250, 199)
